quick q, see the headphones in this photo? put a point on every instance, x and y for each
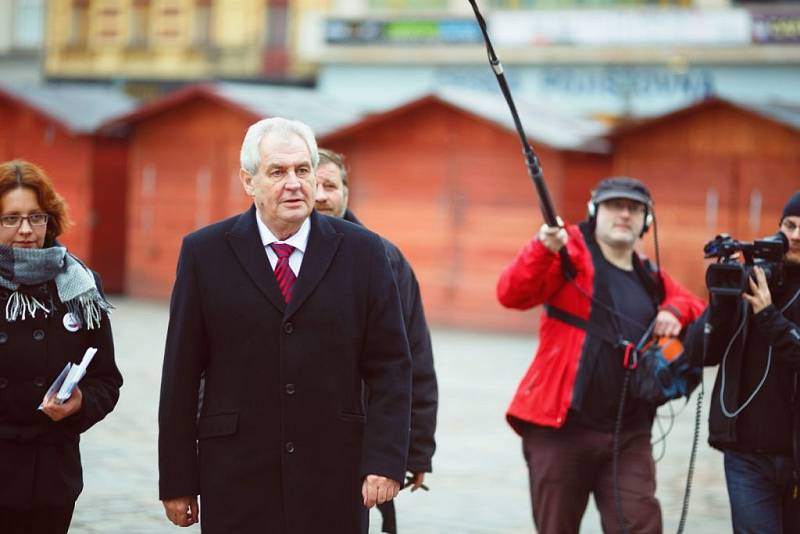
(591, 211)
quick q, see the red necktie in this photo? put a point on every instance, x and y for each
(283, 272)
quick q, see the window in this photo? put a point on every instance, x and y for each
(203, 15)
(79, 24)
(140, 24)
(276, 54)
(277, 22)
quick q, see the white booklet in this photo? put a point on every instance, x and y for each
(64, 384)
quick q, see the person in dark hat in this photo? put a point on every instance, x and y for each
(566, 406)
(754, 414)
(789, 224)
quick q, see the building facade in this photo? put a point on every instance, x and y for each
(173, 40)
(604, 58)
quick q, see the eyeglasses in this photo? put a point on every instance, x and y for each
(789, 226)
(617, 204)
(15, 221)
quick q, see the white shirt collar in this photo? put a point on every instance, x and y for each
(298, 240)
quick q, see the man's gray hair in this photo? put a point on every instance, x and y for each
(250, 155)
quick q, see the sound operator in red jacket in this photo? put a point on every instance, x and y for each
(566, 405)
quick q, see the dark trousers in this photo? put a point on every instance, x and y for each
(36, 521)
(762, 493)
(568, 464)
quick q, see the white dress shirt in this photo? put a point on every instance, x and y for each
(299, 240)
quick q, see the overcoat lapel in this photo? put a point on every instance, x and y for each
(323, 241)
(246, 244)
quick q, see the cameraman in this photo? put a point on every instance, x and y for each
(566, 406)
(754, 408)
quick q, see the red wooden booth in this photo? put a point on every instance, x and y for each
(54, 126)
(716, 166)
(443, 177)
(183, 165)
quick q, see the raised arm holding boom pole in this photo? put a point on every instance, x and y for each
(531, 159)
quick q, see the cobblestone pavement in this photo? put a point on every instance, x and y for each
(479, 484)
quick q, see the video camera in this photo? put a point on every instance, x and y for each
(736, 259)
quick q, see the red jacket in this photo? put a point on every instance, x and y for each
(546, 392)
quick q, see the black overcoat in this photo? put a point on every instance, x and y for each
(283, 439)
(745, 348)
(424, 388)
(40, 464)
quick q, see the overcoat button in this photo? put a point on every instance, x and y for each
(288, 328)
(3, 382)
(290, 447)
(38, 335)
(290, 389)
(3, 337)
(39, 382)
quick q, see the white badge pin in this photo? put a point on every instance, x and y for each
(71, 322)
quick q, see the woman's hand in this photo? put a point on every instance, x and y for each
(57, 412)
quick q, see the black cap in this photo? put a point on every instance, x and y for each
(621, 187)
(792, 208)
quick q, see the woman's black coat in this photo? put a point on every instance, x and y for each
(40, 463)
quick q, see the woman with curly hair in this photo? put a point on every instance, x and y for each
(52, 309)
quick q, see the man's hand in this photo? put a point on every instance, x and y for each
(57, 412)
(416, 480)
(760, 297)
(182, 511)
(378, 490)
(667, 325)
(553, 237)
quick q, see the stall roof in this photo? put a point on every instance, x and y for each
(321, 112)
(80, 108)
(543, 124)
(783, 113)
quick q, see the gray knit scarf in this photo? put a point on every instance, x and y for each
(74, 282)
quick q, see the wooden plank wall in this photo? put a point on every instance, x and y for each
(452, 191)
(67, 159)
(183, 174)
(718, 169)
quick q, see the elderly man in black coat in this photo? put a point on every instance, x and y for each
(288, 316)
(332, 199)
